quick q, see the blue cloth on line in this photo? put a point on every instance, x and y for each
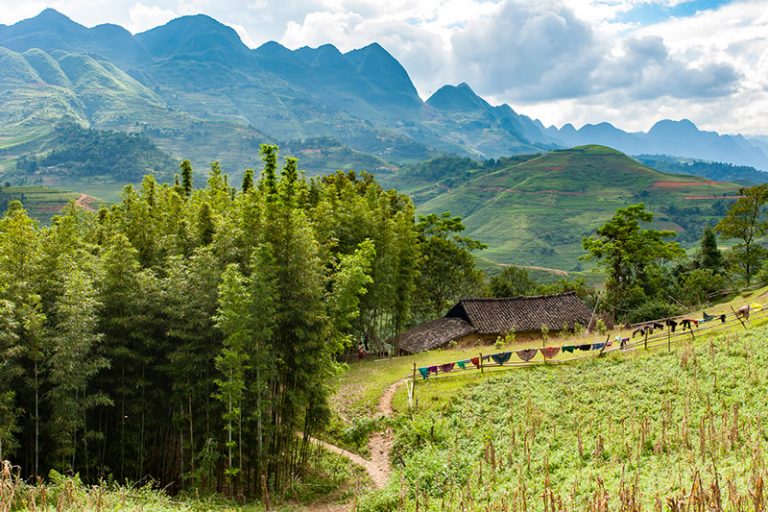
(501, 357)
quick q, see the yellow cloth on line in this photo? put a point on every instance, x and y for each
(756, 307)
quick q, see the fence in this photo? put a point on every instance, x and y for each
(663, 338)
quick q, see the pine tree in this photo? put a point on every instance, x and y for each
(186, 177)
(709, 256)
(247, 180)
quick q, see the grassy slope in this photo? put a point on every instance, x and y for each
(610, 398)
(537, 211)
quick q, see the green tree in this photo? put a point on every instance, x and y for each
(512, 282)
(447, 270)
(233, 319)
(74, 361)
(746, 221)
(186, 177)
(632, 256)
(247, 180)
(709, 256)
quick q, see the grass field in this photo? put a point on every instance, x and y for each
(631, 431)
(332, 479)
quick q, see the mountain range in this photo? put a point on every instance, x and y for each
(196, 91)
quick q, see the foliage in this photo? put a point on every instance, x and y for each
(187, 335)
(512, 282)
(80, 152)
(632, 257)
(747, 221)
(447, 272)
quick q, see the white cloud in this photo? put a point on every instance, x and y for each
(144, 17)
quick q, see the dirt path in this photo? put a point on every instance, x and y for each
(555, 271)
(380, 446)
(86, 202)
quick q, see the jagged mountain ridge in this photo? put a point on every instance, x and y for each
(195, 89)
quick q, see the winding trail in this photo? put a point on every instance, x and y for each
(380, 446)
(86, 202)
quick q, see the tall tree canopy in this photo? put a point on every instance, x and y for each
(746, 221)
(632, 256)
(189, 334)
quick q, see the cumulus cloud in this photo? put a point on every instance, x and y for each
(144, 17)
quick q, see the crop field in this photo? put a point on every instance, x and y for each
(41, 202)
(677, 430)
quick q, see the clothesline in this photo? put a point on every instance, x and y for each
(550, 352)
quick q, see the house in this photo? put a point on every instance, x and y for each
(484, 320)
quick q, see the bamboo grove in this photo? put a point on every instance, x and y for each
(189, 335)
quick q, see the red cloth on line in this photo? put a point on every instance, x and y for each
(550, 352)
(476, 361)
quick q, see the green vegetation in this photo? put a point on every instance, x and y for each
(644, 428)
(40, 202)
(535, 210)
(188, 335)
(747, 221)
(712, 170)
(633, 258)
(78, 153)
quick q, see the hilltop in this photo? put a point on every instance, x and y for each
(535, 209)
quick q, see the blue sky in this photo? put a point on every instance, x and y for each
(649, 13)
(628, 62)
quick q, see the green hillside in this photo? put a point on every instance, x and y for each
(534, 210)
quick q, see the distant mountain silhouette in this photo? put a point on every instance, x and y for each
(198, 92)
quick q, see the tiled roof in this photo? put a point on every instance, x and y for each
(432, 334)
(498, 316)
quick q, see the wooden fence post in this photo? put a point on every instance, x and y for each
(646, 339)
(669, 339)
(482, 370)
(739, 318)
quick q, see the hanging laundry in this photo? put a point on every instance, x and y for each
(686, 323)
(487, 358)
(463, 364)
(501, 357)
(569, 349)
(527, 355)
(672, 324)
(424, 372)
(743, 312)
(433, 369)
(445, 368)
(756, 306)
(722, 318)
(476, 361)
(598, 346)
(549, 352)
(608, 344)
(584, 347)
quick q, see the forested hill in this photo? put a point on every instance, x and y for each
(713, 170)
(77, 152)
(186, 334)
(535, 209)
(196, 91)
